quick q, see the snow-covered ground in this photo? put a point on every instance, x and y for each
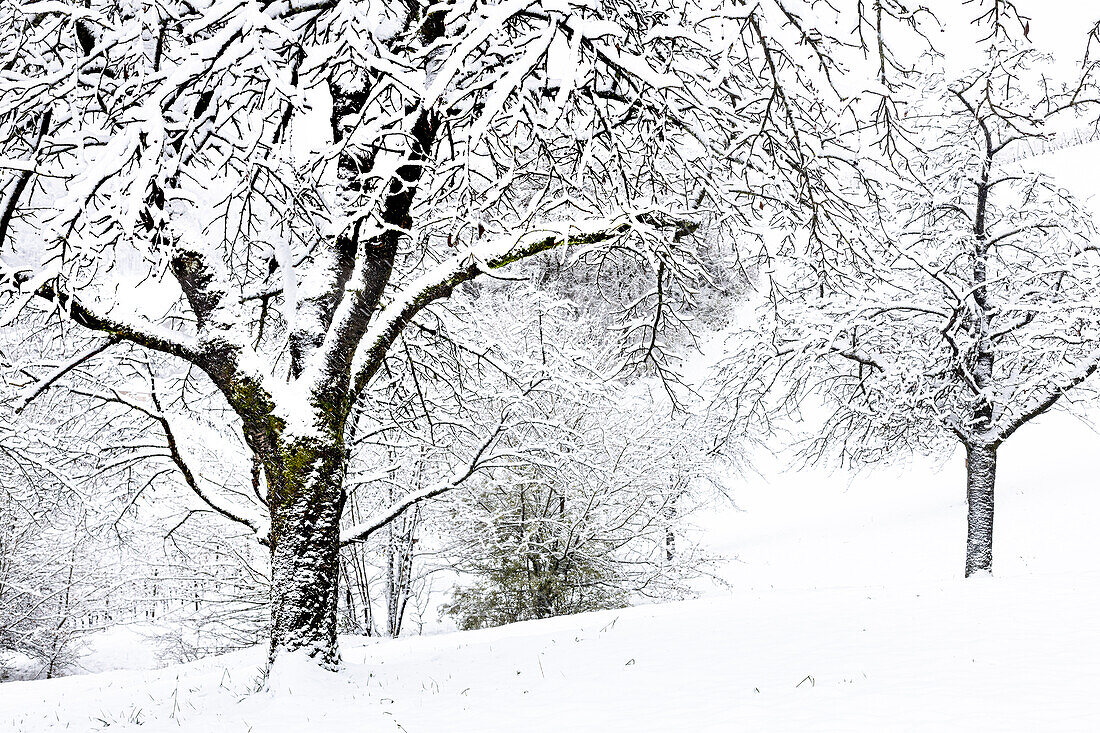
(1015, 654)
(846, 612)
(906, 524)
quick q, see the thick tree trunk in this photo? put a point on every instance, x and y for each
(981, 471)
(305, 485)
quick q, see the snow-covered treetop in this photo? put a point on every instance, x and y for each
(276, 188)
(974, 306)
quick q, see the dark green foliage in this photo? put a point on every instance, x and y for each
(529, 582)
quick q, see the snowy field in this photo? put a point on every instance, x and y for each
(846, 612)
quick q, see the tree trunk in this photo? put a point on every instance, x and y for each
(981, 470)
(305, 485)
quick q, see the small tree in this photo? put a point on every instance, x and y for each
(593, 514)
(53, 573)
(973, 308)
(585, 533)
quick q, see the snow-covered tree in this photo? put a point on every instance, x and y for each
(53, 573)
(601, 526)
(275, 192)
(593, 511)
(972, 307)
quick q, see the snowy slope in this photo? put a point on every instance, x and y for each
(847, 613)
(1014, 654)
(906, 524)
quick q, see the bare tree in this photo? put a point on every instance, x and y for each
(971, 310)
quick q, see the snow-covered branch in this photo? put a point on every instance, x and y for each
(361, 531)
(1045, 396)
(441, 280)
(31, 392)
(154, 411)
(258, 526)
(120, 327)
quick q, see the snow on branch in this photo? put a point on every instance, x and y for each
(363, 530)
(440, 281)
(253, 523)
(156, 413)
(140, 331)
(34, 390)
(1046, 397)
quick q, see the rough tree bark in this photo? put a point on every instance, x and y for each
(981, 471)
(306, 497)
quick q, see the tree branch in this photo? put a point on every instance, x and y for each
(363, 530)
(1045, 399)
(440, 281)
(42, 385)
(189, 476)
(145, 334)
(9, 203)
(157, 415)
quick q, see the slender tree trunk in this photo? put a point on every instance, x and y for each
(981, 457)
(670, 536)
(306, 497)
(981, 471)
(391, 580)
